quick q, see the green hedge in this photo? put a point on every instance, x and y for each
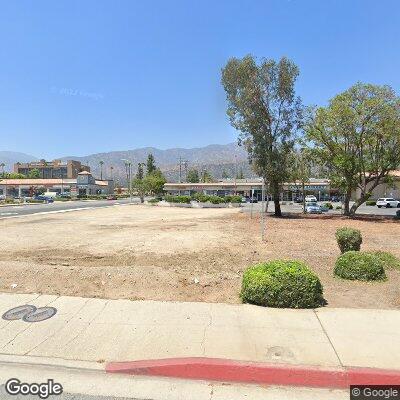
(361, 266)
(370, 203)
(329, 206)
(178, 199)
(281, 283)
(348, 239)
(204, 198)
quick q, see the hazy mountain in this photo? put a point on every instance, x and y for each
(215, 158)
(9, 158)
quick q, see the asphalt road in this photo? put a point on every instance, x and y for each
(57, 206)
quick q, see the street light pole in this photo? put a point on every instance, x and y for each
(128, 166)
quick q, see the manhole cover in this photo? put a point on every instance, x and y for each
(18, 312)
(40, 314)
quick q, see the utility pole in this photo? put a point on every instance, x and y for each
(235, 174)
(180, 173)
(186, 169)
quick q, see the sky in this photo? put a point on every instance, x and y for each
(82, 77)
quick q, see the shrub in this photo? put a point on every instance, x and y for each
(361, 266)
(397, 216)
(389, 260)
(348, 239)
(329, 206)
(153, 201)
(178, 199)
(216, 200)
(370, 203)
(281, 283)
(233, 199)
(338, 207)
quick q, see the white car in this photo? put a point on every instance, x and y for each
(387, 202)
(311, 199)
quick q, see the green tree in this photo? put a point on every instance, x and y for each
(357, 138)
(34, 173)
(263, 106)
(224, 174)
(152, 183)
(193, 176)
(240, 175)
(150, 164)
(2, 165)
(300, 172)
(140, 172)
(206, 176)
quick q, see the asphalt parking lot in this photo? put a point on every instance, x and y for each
(298, 208)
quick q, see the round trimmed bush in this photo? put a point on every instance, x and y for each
(389, 260)
(361, 266)
(281, 283)
(348, 239)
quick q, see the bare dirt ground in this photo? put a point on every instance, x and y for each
(142, 252)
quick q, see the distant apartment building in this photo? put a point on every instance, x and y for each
(55, 169)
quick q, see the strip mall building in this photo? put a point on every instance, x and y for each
(83, 184)
(320, 188)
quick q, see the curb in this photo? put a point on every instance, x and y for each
(216, 369)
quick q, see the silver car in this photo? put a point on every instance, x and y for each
(313, 208)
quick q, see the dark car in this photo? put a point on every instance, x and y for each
(46, 199)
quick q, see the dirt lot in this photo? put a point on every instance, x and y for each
(142, 252)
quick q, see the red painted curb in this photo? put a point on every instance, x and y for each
(250, 372)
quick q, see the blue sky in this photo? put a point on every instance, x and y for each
(80, 77)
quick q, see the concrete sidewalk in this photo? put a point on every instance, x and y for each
(96, 330)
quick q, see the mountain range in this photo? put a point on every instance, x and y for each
(217, 159)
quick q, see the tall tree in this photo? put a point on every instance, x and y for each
(357, 137)
(224, 174)
(2, 165)
(301, 171)
(101, 163)
(206, 177)
(263, 106)
(150, 164)
(193, 176)
(34, 173)
(140, 172)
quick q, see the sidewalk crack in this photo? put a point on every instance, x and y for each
(329, 339)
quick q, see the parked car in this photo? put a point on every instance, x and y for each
(387, 202)
(311, 198)
(112, 197)
(64, 196)
(313, 208)
(2, 197)
(44, 198)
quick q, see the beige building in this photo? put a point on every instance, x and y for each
(84, 184)
(52, 169)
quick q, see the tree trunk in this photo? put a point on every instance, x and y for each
(347, 199)
(303, 192)
(275, 190)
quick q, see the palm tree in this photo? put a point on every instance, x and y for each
(111, 171)
(101, 162)
(2, 165)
